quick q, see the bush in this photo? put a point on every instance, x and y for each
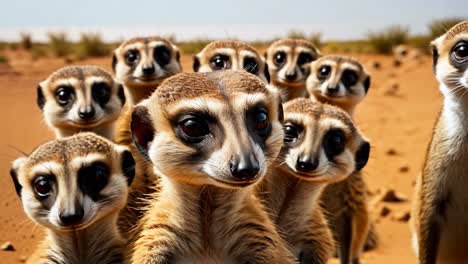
(193, 47)
(440, 26)
(92, 45)
(38, 52)
(296, 34)
(316, 39)
(59, 44)
(3, 59)
(384, 41)
(26, 41)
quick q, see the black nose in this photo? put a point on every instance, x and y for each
(149, 70)
(332, 90)
(306, 164)
(72, 218)
(86, 113)
(244, 167)
(290, 76)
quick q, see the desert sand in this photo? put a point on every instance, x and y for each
(397, 116)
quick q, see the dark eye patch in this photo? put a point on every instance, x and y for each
(251, 65)
(101, 93)
(459, 56)
(93, 178)
(304, 58)
(258, 123)
(162, 55)
(349, 78)
(334, 143)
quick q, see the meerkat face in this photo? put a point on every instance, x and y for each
(320, 142)
(219, 128)
(450, 53)
(288, 61)
(145, 61)
(231, 55)
(338, 80)
(70, 183)
(80, 97)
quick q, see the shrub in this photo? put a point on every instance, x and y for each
(384, 41)
(316, 39)
(193, 47)
(296, 34)
(59, 44)
(440, 26)
(38, 52)
(92, 45)
(3, 59)
(26, 41)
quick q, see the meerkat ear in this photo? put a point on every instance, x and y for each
(114, 61)
(435, 56)
(177, 56)
(362, 155)
(266, 71)
(367, 83)
(128, 166)
(40, 99)
(14, 173)
(196, 63)
(121, 93)
(280, 110)
(142, 130)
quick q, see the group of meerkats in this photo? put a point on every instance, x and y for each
(251, 159)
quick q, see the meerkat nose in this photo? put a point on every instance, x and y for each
(244, 167)
(306, 164)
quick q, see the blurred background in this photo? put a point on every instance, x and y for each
(39, 37)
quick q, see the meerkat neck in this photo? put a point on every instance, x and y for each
(98, 243)
(105, 130)
(294, 195)
(138, 93)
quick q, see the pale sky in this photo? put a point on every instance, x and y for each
(242, 19)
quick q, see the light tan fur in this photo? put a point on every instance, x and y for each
(233, 55)
(204, 213)
(81, 81)
(139, 85)
(347, 201)
(293, 51)
(93, 237)
(293, 196)
(439, 217)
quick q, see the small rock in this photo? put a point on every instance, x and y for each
(404, 168)
(384, 211)
(376, 65)
(402, 216)
(392, 89)
(389, 195)
(397, 63)
(7, 246)
(23, 259)
(392, 152)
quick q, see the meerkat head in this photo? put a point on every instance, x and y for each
(219, 128)
(288, 61)
(450, 53)
(338, 80)
(231, 55)
(143, 63)
(70, 183)
(80, 98)
(321, 142)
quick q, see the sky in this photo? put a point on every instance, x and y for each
(241, 19)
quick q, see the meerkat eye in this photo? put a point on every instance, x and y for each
(323, 72)
(304, 57)
(64, 95)
(43, 186)
(261, 120)
(279, 58)
(220, 62)
(101, 93)
(93, 178)
(251, 65)
(162, 55)
(334, 142)
(132, 57)
(194, 129)
(461, 51)
(349, 78)
(291, 133)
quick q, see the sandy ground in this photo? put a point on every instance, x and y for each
(397, 120)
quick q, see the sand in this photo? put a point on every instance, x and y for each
(397, 116)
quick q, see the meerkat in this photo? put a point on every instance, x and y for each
(210, 137)
(80, 98)
(288, 64)
(75, 187)
(321, 146)
(231, 55)
(142, 63)
(440, 206)
(344, 82)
